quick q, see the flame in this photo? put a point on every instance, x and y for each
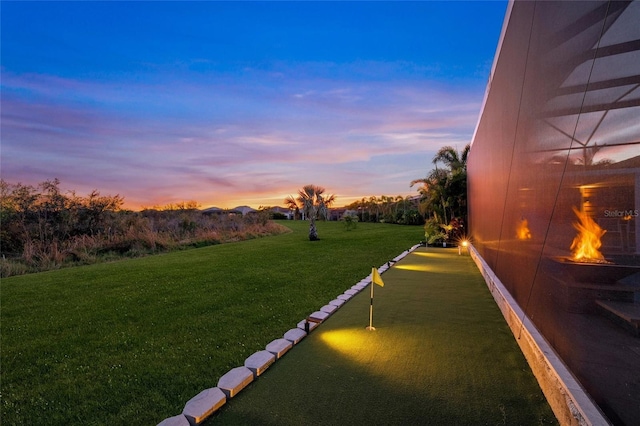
(586, 244)
(523, 232)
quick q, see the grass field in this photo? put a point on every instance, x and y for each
(130, 342)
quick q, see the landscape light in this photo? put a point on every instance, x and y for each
(464, 243)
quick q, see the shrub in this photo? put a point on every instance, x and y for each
(433, 232)
(350, 222)
(11, 267)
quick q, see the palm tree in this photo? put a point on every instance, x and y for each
(450, 157)
(292, 205)
(444, 191)
(433, 197)
(373, 202)
(362, 207)
(314, 205)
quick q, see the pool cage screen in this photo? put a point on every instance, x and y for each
(554, 186)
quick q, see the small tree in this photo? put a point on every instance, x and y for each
(350, 221)
(313, 204)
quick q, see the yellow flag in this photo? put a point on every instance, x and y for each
(376, 278)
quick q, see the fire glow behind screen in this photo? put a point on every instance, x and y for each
(554, 162)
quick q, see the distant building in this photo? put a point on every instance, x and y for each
(288, 214)
(241, 210)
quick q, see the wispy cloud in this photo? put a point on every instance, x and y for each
(217, 138)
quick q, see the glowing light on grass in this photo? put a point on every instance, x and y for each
(421, 267)
(431, 254)
(414, 267)
(386, 354)
(347, 342)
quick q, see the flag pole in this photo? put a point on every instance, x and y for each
(371, 327)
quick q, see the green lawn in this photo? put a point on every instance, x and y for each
(130, 342)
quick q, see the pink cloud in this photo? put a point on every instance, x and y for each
(219, 140)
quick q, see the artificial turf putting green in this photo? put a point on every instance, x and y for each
(441, 355)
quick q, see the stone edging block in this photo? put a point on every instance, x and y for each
(279, 347)
(302, 324)
(319, 315)
(351, 292)
(235, 380)
(329, 309)
(178, 420)
(345, 297)
(360, 287)
(201, 406)
(259, 362)
(337, 302)
(294, 335)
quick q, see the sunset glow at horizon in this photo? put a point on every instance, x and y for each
(239, 103)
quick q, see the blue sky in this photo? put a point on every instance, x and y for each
(232, 103)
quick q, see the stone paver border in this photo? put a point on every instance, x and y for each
(319, 315)
(179, 420)
(295, 335)
(336, 302)
(279, 347)
(201, 406)
(235, 380)
(307, 325)
(329, 309)
(209, 401)
(259, 362)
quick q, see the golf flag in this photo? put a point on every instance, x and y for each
(376, 278)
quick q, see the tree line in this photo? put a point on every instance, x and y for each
(43, 227)
(387, 209)
(441, 204)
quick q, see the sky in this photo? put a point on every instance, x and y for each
(239, 103)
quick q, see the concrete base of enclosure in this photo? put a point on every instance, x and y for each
(294, 335)
(235, 380)
(279, 347)
(569, 401)
(201, 406)
(259, 362)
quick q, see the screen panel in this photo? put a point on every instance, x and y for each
(554, 185)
